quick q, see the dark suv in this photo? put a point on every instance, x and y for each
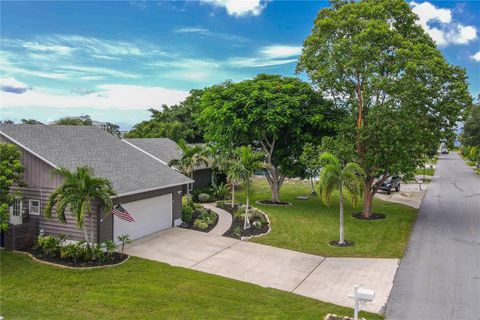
(390, 184)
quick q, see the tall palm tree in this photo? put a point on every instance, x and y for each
(335, 176)
(249, 162)
(76, 193)
(234, 174)
(192, 157)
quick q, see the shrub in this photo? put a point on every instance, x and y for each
(257, 224)
(221, 204)
(71, 252)
(200, 224)
(220, 191)
(187, 213)
(203, 197)
(208, 216)
(124, 239)
(239, 213)
(255, 213)
(49, 245)
(237, 231)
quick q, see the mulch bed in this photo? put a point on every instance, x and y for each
(196, 215)
(238, 223)
(272, 203)
(335, 317)
(117, 257)
(373, 216)
(347, 243)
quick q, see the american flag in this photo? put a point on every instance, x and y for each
(123, 214)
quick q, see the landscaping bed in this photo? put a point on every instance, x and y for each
(202, 219)
(115, 258)
(259, 222)
(76, 254)
(272, 203)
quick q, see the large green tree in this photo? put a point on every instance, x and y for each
(76, 193)
(177, 122)
(11, 173)
(273, 113)
(374, 60)
(471, 129)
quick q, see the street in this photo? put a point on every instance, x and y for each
(439, 277)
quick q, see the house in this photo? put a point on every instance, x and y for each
(147, 188)
(166, 150)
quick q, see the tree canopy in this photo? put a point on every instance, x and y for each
(273, 113)
(402, 96)
(11, 173)
(177, 122)
(471, 128)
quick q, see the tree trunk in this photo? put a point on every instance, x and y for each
(85, 234)
(275, 181)
(233, 194)
(246, 224)
(342, 239)
(367, 198)
(314, 193)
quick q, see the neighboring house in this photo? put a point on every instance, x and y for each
(166, 150)
(147, 188)
(99, 124)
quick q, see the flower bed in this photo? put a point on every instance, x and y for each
(272, 203)
(77, 254)
(260, 224)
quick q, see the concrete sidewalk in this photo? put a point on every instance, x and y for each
(326, 279)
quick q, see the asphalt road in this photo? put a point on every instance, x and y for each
(439, 277)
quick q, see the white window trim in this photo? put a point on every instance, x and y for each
(30, 207)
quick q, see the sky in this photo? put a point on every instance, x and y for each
(115, 60)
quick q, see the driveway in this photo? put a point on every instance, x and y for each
(439, 277)
(326, 279)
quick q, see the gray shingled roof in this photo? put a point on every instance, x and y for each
(161, 148)
(129, 169)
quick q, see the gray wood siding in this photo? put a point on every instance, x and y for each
(53, 226)
(36, 173)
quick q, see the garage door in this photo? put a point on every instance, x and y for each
(151, 215)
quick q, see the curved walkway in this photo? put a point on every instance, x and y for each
(224, 219)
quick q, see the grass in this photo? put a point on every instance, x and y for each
(426, 171)
(309, 225)
(142, 289)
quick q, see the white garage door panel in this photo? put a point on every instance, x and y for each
(151, 215)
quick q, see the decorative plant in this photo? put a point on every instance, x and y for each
(124, 239)
(187, 213)
(335, 176)
(78, 190)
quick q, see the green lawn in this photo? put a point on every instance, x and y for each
(426, 171)
(309, 225)
(142, 289)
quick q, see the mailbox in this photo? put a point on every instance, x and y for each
(365, 294)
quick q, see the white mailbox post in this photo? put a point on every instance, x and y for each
(361, 296)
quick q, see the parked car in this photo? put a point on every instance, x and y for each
(444, 150)
(392, 183)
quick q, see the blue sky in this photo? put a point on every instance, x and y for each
(114, 60)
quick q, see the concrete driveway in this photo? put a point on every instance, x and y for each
(326, 279)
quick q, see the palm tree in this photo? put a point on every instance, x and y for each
(192, 157)
(234, 174)
(76, 193)
(249, 162)
(335, 176)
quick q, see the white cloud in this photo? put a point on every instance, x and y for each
(87, 71)
(12, 85)
(240, 8)
(280, 51)
(105, 97)
(446, 31)
(268, 56)
(35, 46)
(207, 33)
(476, 56)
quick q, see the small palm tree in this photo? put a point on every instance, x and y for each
(249, 162)
(234, 174)
(192, 157)
(335, 176)
(76, 193)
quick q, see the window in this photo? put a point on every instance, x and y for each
(34, 207)
(17, 207)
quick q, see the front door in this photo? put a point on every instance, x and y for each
(16, 212)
